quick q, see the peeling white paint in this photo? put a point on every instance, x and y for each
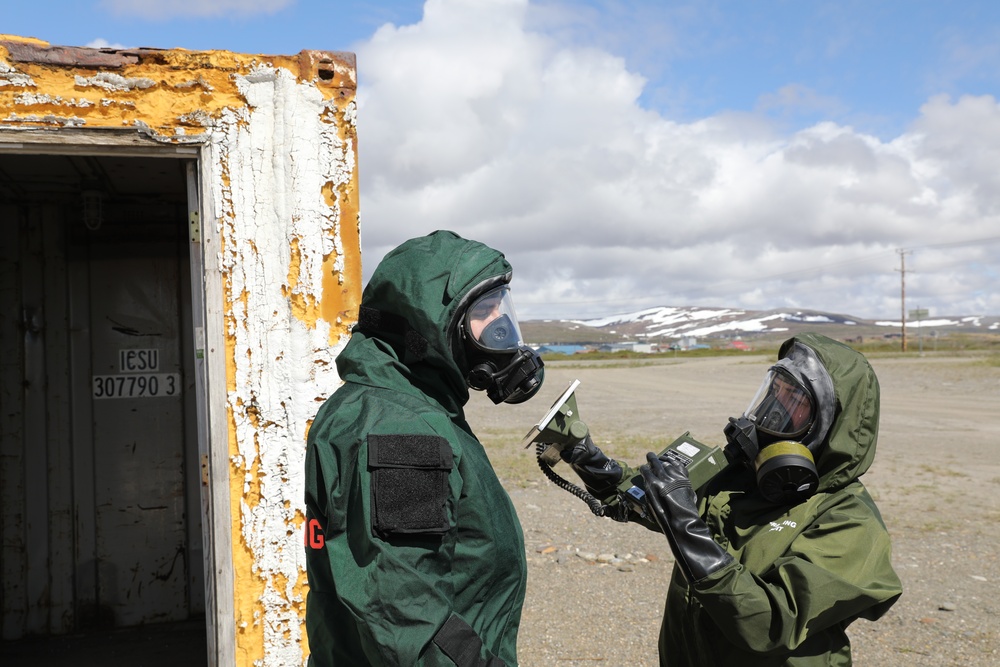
(200, 81)
(112, 81)
(49, 119)
(198, 117)
(34, 99)
(274, 159)
(9, 76)
(351, 114)
(126, 104)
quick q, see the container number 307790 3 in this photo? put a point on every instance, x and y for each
(137, 377)
(149, 385)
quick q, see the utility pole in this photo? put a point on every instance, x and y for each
(902, 289)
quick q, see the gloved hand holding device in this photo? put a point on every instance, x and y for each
(600, 474)
(674, 506)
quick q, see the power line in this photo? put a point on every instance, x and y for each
(958, 244)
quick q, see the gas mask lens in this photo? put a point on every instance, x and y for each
(492, 323)
(782, 407)
(500, 363)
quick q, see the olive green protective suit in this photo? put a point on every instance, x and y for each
(800, 574)
(415, 554)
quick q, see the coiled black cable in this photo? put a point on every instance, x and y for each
(596, 506)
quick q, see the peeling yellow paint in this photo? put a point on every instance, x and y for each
(230, 322)
(304, 306)
(341, 298)
(166, 91)
(19, 38)
(249, 640)
(250, 587)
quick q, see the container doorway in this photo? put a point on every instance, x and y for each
(101, 473)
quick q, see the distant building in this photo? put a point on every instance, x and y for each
(562, 349)
(641, 348)
(687, 342)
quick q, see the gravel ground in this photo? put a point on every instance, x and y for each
(596, 588)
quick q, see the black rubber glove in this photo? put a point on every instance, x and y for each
(599, 474)
(674, 506)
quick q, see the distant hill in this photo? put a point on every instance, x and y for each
(666, 324)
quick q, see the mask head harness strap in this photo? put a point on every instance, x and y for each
(373, 320)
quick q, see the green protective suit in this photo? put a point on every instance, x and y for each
(414, 551)
(800, 574)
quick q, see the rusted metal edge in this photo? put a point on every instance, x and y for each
(27, 52)
(336, 69)
(331, 69)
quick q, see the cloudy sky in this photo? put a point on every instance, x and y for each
(636, 153)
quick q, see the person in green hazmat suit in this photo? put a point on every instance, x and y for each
(414, 552)
(782, 550)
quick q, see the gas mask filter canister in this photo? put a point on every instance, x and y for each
(786, 472)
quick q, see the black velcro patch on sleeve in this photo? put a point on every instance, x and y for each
(409, 482)
(409, 451)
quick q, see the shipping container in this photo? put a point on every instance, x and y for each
(179, 267)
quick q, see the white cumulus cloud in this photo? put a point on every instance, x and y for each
(101, 43)
(473, 121)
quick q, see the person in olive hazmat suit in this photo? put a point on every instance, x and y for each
(783, 549)
(414, 551)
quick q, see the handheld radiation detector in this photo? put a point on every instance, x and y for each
(561, 427)
(703, 462)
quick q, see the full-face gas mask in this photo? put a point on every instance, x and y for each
(499, 361)
(786, 422)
